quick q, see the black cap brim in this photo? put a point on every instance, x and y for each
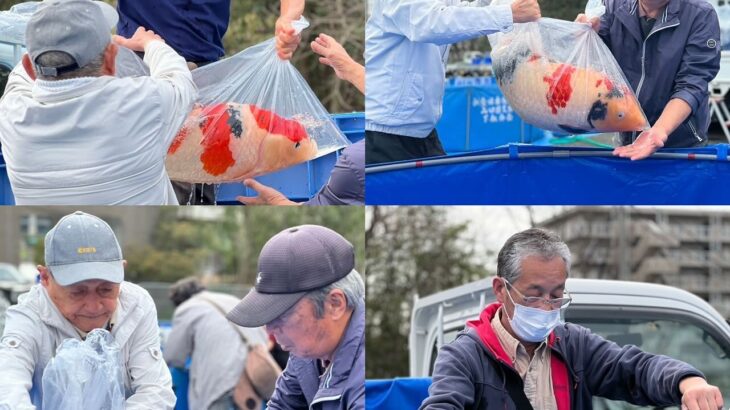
(258, 309)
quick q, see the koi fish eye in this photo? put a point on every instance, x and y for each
(620, 116)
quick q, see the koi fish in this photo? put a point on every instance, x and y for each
(563, 98)
(230, 142)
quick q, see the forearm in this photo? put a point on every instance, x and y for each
(293, 9)
(674, 114)
(356, 76)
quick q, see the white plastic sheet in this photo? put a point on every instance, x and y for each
(85, 375)
(559, 76)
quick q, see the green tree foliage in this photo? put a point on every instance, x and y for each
(411, 252)
(229, 245)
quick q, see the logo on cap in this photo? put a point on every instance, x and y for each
(86, 250)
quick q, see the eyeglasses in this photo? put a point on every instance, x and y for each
(537, 302)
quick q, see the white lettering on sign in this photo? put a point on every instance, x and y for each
(493, 109)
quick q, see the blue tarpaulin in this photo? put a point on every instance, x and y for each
(396, 394)
(476, 116)
(538, 175)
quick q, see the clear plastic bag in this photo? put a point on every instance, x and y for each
(256, 114)
(560, 76)
(85, 375)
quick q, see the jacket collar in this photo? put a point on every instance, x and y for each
(348, 350)
(55, 91)
(628, 14)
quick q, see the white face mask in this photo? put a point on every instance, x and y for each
(531, 324)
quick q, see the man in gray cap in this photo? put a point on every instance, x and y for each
(82, 288)
(311, 298)
(71, 132)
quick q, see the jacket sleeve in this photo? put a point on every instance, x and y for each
(18, 355)
(429, 21)
(288, 393)
(604, 29)
(179, 343)
(452, 385)
(175, 84)
(700, 62)
(19, 83)
(630, 374)
(346, 184)
(151, 382)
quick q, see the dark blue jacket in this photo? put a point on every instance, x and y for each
(346, 184)
(681, 56)
(193, 28)
(342, 387)
(467, 374)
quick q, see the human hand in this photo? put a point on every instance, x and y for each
(287, 40)
(524, 11)
(267, 195)
(646, 144)
(139, 39)
(595, 22)
(697, 394)
(334, 55)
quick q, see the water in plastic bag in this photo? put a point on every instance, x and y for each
(85, 375)
(560, 76)
(256, 114)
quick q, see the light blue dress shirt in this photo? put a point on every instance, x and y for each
(407, 45)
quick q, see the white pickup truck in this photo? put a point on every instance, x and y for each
(658, 319)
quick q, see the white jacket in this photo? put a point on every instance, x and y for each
(34, 328)
(95, 140)
(218, 354)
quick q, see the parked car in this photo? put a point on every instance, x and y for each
(657, 318)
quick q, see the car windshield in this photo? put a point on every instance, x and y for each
(681, 340)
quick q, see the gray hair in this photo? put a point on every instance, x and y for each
(184, 289)
(60, 59)
(351, 285)
(531, 242)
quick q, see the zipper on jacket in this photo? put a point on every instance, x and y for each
(643, 68)
(694, 130)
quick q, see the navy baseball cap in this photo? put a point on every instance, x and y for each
(293, 262)
(82, 247)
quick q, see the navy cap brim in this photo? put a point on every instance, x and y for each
(257, 309)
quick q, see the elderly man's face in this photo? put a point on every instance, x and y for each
(539, 278)
(301, 333)
(88, 305)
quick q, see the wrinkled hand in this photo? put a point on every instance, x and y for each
(595, 22)
(286, 38)
(524, 11)
(334, 55)
(698, 395)
(267, 195)
(139, 39)
(646, 144)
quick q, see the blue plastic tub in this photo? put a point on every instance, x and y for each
(298, 183)
(6, 194)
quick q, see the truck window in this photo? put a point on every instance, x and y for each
(681, 340)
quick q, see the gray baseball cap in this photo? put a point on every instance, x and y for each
(80, 28)
(83, 247)
(293, 262)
